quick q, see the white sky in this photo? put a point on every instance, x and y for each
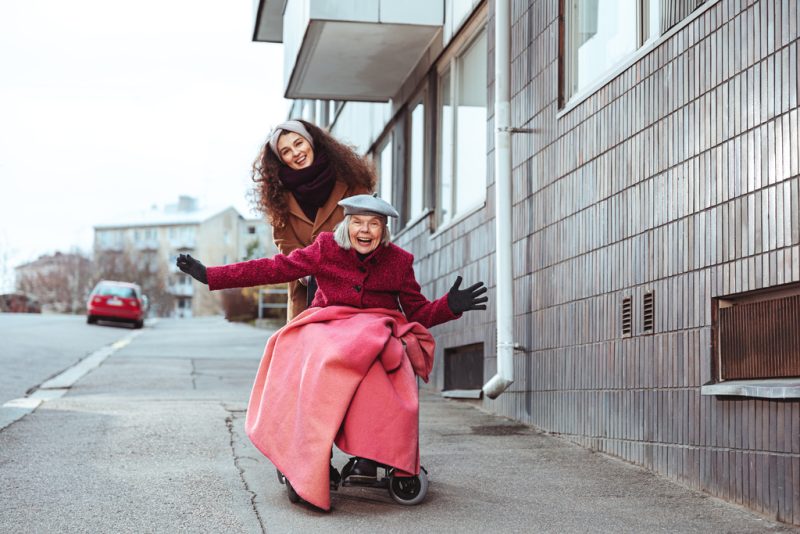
(108, 107)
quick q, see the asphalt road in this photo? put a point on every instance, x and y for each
(152, 440)
(35, 347)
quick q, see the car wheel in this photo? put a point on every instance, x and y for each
(138, 324)
(91, 319)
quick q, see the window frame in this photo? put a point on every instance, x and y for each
(568, 66)
(420, 98)
(449, 64)
(567, 104)
(385, 142)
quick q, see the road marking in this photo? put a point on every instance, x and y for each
(15, 409)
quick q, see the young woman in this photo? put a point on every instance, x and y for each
(301, 174)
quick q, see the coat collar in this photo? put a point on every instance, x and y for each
(373, 257)
(324, 212)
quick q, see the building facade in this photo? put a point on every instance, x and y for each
(155, 238)
(655, 248)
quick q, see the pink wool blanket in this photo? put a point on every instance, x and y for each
(344, 375)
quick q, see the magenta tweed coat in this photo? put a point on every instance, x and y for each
(384, 279)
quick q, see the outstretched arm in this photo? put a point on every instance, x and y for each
(275, 270)
(430, 313)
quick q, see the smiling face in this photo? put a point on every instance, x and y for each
(295, 150)
(366, 232)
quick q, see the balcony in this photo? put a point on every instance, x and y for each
(181, 290)
(147, 244)
(183, 243)
(348, 50)
(109, 246)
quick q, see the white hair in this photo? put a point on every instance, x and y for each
(341, 233)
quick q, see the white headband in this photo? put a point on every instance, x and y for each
(288, 126)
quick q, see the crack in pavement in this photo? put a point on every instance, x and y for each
(194, 374)
(239, 468)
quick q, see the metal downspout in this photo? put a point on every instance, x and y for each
(502, 185)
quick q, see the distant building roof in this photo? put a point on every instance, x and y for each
(184, 212)
(47, 260)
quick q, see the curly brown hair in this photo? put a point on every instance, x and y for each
(269, 194)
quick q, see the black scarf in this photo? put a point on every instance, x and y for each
(310, 186)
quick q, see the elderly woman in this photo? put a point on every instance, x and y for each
(344, 370)
(301, 174)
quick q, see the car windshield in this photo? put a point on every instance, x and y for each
(116, 291)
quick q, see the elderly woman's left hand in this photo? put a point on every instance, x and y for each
(468, 299)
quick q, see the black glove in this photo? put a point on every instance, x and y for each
(192, 267)
(463, 300)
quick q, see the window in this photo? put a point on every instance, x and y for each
(601, 34)
(385, 170)
(755, 335)
(462, 131)
(251, 229)
(415, 193)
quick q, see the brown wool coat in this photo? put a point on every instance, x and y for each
(300, 232)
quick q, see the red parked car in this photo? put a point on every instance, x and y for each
(116, 301)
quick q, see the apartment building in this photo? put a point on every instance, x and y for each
(624, 176)
(155, 237)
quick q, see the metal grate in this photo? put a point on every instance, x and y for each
(648, 312)
(627, 316)
(760, 339)
(463, 367)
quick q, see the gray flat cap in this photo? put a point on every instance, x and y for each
(367, 205)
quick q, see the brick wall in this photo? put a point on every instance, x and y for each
(680, 176)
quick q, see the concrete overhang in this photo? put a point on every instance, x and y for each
(350, 50)
(268, 15)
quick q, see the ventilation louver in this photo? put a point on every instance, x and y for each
(627, 316)
(648, 312)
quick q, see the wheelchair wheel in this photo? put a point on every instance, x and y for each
(290, 492)
(409, 491)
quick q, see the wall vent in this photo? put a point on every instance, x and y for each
(463, 367)
(648, 312)
(758, 334)
(627, 316)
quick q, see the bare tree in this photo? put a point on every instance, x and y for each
(60, 282)
(6, 253)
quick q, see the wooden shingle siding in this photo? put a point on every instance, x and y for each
(681, 177)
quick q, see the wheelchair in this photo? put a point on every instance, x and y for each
(407, 491)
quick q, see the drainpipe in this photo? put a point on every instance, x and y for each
(502, 186)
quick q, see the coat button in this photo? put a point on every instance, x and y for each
(357, 287)
(362, 269)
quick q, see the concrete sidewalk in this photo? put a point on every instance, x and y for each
(152, 441)
(489, 474)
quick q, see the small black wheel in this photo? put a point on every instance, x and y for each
(293, 496)
(409, 491)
